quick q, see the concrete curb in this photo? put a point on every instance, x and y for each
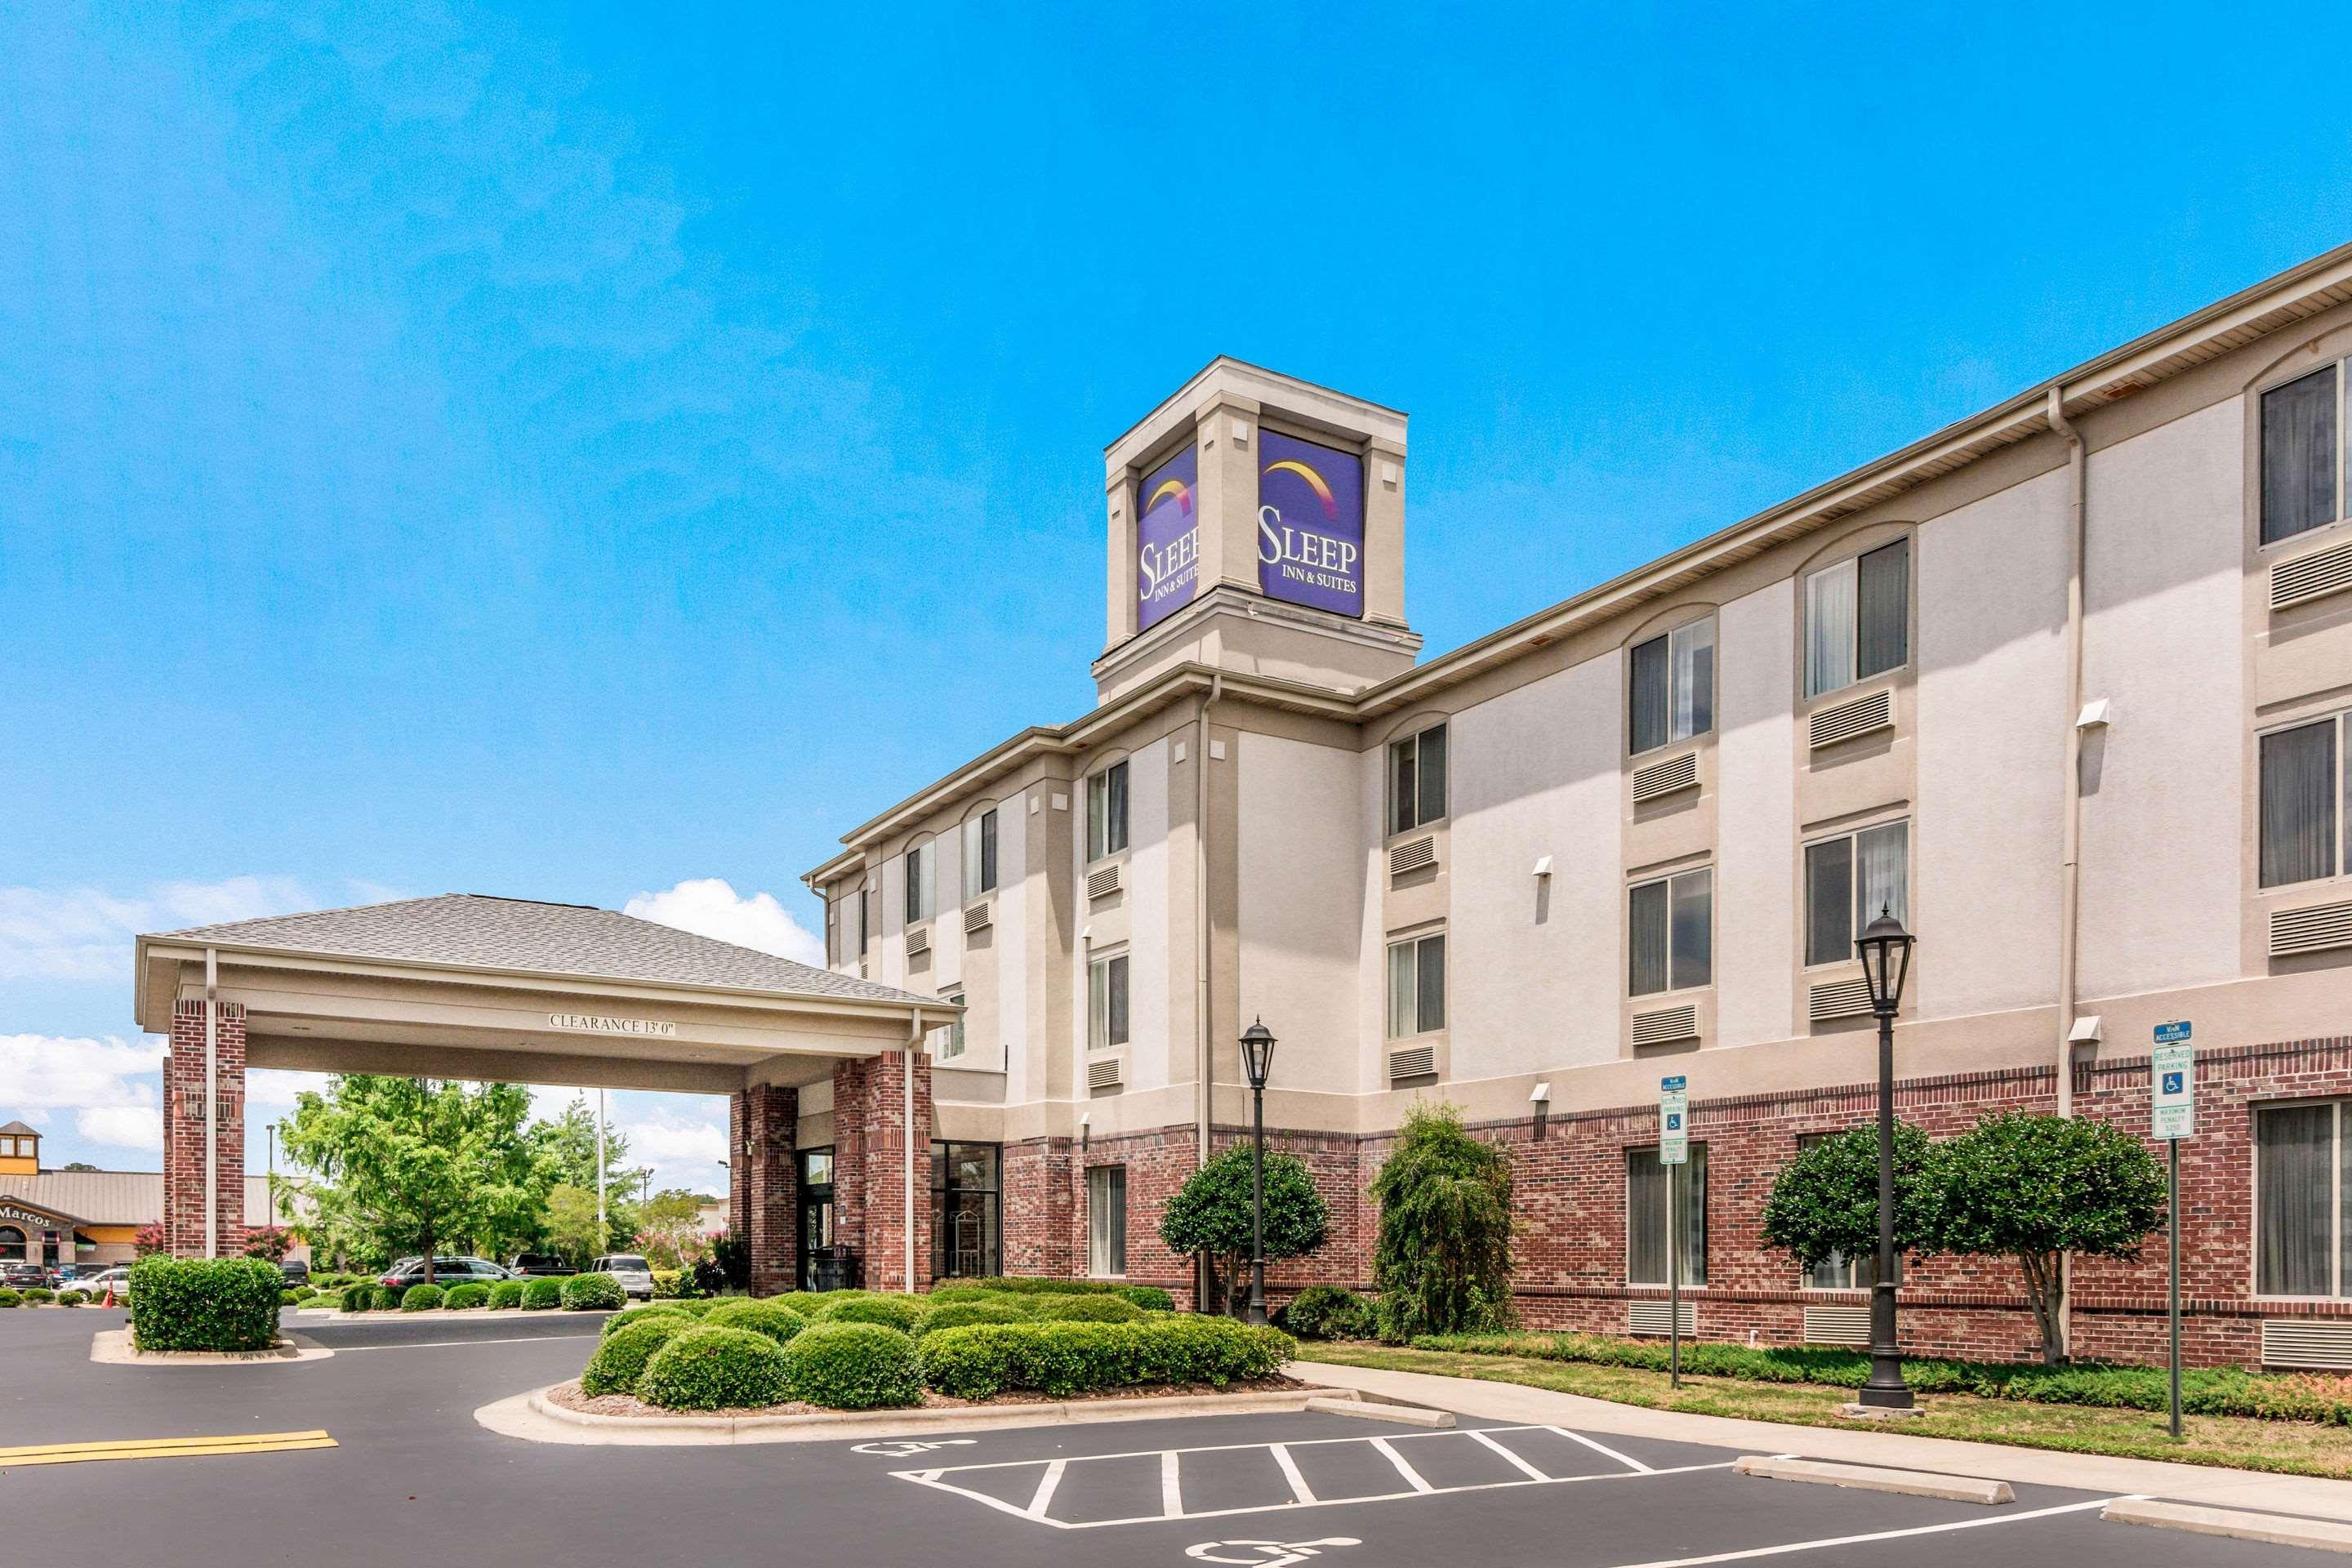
(535, 1418)
(2278, 1530)
(1380, 1410)
(1870, 1478)
(112, 1347)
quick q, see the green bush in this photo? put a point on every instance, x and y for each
(305, 1293)
(899, 1313)
(541, 1294)
(1088, 1309)
(706, 1368)
(357, 1297)
(72, 1298)
(1034, 1285)
(697, 1305)
(423, 1298)
(286, 1298)
(204, 1304)
(807, 1303)
(591, 1293)
(672, 1284)
(10, 1298)
(768, 1318)
(463, 1297)
(1060, 1359)
(622, 1320)
(1212, 1213)
(1150, 1298)
(40, 1295)
(959, 1314)
(1327, 1313)
(506, 1295)
(620, 1359)
(1443, 1259)
(851, 1365)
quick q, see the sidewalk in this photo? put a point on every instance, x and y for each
(2204, 1484)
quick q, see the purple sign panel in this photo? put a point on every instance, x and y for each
(1310, 524)
(1167, 539)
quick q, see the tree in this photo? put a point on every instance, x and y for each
(1210, 1214)
(2037, 1187)
(670, 1228)
(1442, 1262)
(571, 1222)
(1826, 1200)
(267, 1242)
(148, 1240)
(570, 1139)
(78, 1165)
(415, 1164)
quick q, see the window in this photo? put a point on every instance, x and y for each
(1417, 986)
(1646, 1218)
(2302, 477)
(1417, 780)
(1848, 880)
(1106, 1220)
(814, 1233)
(947, 1040)
(2303, 834)
(1671, 687)
(1107, 811)
(1858, 618)
(922, 882)
(979, 855)
(2299, 1179)
(967, 1217)
(1837, 1271)
(1670, 934)
(1106, 1003)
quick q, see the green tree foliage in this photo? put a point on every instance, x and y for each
(570, 1223)
(420, 1165)
(570, 1139)
(1210, 1213)
(267, 1242)
(1442, 1263)
(670, 1228)
(2037, 1187)
(1826, 1200)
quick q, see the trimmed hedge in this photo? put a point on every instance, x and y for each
(899, 1313)
(807, 1303)
(619, 1320)
(1060, 1359)
(767, 1318)
(851, 1365)
(1088, 1309)
(286, 1297)
(697, 1305)
(357, 1299)
(620, 1360)
(959, 1314)
(505, 1296)
(462, 1298)
(541, 1294)
(1030, 1285)
(706, 1368)
(204, 1304)
(1150, 1298)
(10, 1298)
(1328, 1313)
(40, 1295)
(423, 1298)
(72, 1298)
(591, 1293)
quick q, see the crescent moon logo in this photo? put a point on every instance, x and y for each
(1314, 482)
(1168, 488)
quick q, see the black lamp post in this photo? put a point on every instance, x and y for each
(1885, 949)
(1258, 1060)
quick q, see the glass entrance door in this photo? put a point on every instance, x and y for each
(815, 1227)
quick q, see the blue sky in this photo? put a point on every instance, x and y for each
(600, 454)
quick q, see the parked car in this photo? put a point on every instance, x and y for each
(117, 1278)
(24, 1276)
(635, 1275)
(296, 1271)
(539, 1266)
(446, 1271)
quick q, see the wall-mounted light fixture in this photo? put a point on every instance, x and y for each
(2095, 715)
(1543, 866)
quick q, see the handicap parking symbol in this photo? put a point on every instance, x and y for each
(1674, 1121)
(1266, 1554)
(2172, 1083)
(904, 1448)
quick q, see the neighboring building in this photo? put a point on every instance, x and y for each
(2065, 686)
(86, 1217)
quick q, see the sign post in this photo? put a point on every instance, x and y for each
(1674, 1152)
(2172, 1074)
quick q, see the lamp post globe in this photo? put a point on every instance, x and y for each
(1257, 1061)
(1885, 951)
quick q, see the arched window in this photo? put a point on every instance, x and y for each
(12, 1245)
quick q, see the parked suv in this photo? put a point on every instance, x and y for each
(446, 1271)
(32, 1276)
(539, 1266)
(296, 1271)
(635, 1275)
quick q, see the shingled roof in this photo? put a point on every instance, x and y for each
(475, 931)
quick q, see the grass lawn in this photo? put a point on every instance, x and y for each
(2291, 1448)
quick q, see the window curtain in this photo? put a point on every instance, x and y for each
(1432, 774)
(1106, 1220)
(1646, 1218)
(1883, 622)
(1647, 939)
(1098, 1004)
(1115, 974)
(972, 871)
(1829, 902)
(1648, 696)
(1694, 680)
(1829, 628)
(1400, 786)
(987, 851)
(2299, 455)
(1882, 874)
(2299, 791)
(1117, 819)
(1692, 933)
(1430, 982)
(2295, 1156)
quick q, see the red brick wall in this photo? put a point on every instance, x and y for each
(869, 1155)
(185, 1130)
(761, 1207)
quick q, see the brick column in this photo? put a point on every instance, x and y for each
(186, 1124)
(763, 1208)
(870, 1165)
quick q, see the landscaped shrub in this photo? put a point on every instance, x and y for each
(620, 1359)
(669, 1284)
(463, 1297)
(305, 1293)
(541, 1294)
(1088, 1309)
(1443, 1259)
(204, 1304)
(1328, 1313)
(697, 1307)
(770, 1317)
(957, 1314)
(1150, 1298)
(423, 1298)
(710, 1368)
(591, 1293)
(72, 1298)
(1034, 1285)
(1062, 1359)
(619, 1320)
(357, 1297)
(899, 1313)
(808, 1303)
(850, 1365)
(40, 1295)
(506, 1295)
(1212, 1212)
(286, 1296)
(10, 1298)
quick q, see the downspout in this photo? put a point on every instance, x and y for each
(212, 1104)
(2070, 876)
(906, 1227)
(1200, 965)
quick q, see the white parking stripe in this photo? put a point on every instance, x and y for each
(1826, 1542)
(1045, 1485)
(1627, 1460)
(1413, 1476)
(443, 1345)
(1523, 1467)
(1298, 1487)
(1171, 1489)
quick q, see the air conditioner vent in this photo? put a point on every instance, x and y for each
(977, 917)
(1412, 1062)
(1661, 779)
(1837, 1325)
(1840, 999)
(918, 940)
(1665, 1026)
(2312, 930)
(1414, 855)
(2318, 1342)
(1106, 1072)
(1848, 719)
(2312, 576)
(1103, 883)
(1650, 1318)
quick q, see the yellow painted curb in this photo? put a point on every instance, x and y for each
(162, 1448)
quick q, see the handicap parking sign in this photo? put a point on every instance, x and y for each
(2172, 1068)
(2172, 1083)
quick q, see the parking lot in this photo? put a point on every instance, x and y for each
(396, 1402)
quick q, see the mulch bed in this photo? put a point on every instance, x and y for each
(568, 1396)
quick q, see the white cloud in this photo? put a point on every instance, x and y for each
(81, 933)
(124, 1127)
(111, 1085)
(708, 906)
